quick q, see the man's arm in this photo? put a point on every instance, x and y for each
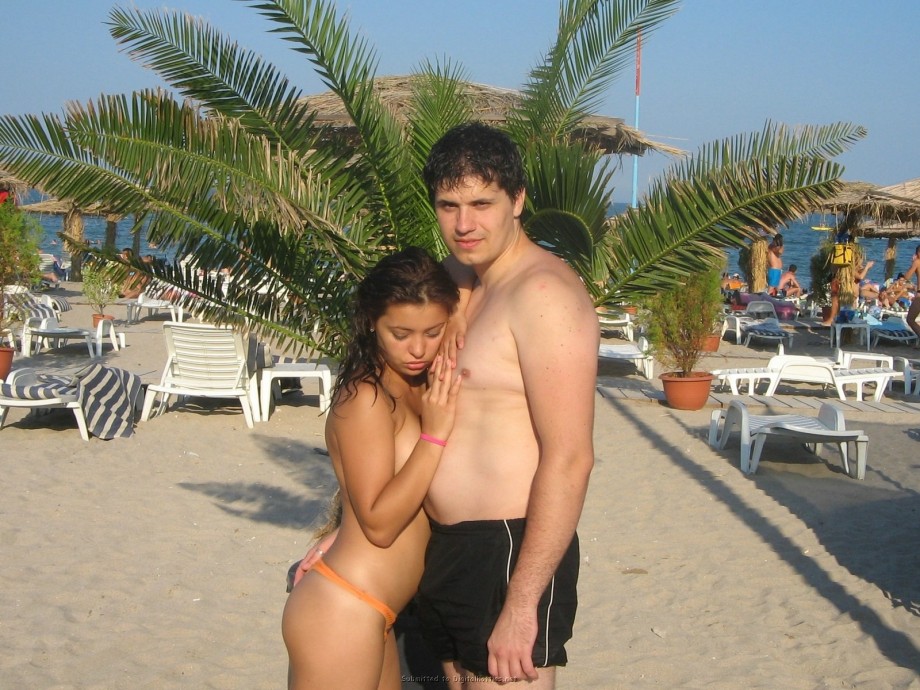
(557, 335)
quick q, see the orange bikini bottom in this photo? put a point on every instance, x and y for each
(327, 572)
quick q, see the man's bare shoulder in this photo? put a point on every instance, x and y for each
(545, 276)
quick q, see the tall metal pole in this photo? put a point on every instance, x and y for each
(635, 180)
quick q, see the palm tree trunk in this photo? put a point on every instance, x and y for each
(758, 266)
(74, 230)
(111, 231)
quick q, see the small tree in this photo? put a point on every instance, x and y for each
(100, 290)
(679, 320)
(20, 236)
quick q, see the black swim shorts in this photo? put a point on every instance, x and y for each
(467, 567)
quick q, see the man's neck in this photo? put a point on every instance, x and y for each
(505, 263)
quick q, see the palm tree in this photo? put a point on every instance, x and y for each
(235, 172)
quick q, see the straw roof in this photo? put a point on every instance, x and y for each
(892, 206)
(491, 105)
(898, 231)
(60, 207)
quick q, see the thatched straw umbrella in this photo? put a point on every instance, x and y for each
(16, 186)
(491, 104)
(873, 211)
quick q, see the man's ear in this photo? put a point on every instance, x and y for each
(518, 203)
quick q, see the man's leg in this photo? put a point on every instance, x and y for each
(913, 313)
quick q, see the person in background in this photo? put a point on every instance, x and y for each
(135, 281)
(774, 264)
(788, 283)
(914, 311)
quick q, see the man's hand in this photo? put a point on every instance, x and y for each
(511, 645)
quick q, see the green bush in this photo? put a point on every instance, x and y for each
(20, 236)
(679, 320)
(100, 291)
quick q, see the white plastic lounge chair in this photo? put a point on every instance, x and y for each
(751, 376)
(801, 369)
(271, 375)
(911, 373)
(891, 330)
(755, 311)
(204, 361)
(23, 388)
(766, 329)
(39, 333)
(828, 427)
(616, 321)
(637, 353)
(144, 301)
(102, 398)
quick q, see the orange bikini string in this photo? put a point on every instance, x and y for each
(327, 572)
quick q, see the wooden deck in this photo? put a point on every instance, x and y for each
(639, 392)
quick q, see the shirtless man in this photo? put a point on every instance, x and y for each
(789, 284)
(509, 490)
(774, 264)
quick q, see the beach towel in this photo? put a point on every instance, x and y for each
(106, 395)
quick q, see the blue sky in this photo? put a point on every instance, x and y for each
(717, 68)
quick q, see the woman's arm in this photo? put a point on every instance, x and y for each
(385, 501)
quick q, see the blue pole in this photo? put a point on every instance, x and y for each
(635, 180)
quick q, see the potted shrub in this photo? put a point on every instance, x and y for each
(19, 239)
(678, 323)
(100, 291)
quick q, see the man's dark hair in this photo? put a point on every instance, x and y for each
(793, 268)
(474, 150)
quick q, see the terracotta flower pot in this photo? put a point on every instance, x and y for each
(686, 392)
(100, 317)
(6, 361)
(711, 342)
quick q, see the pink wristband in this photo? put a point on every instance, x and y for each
(432, 439)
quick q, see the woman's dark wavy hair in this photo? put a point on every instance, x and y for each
(474, 150)
(411, 276)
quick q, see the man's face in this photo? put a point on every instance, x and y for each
(477, 220)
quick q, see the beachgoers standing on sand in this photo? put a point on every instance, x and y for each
(775, 263)
(392, 413)
(509, 490)
(914, 310)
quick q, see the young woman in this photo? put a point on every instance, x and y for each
(392, 412)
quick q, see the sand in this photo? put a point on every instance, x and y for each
(159, 561)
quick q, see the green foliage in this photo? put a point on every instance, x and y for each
(98, 288)
(679, 319)
(236, 173)
(822, 273)
(20, 236)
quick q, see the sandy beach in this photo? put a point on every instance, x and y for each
(159, 561)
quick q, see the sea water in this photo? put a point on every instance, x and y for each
(800, 242)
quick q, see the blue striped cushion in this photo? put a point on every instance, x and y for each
(41, 391)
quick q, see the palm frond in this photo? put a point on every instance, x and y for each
(683, 224)
(216, 72)
(595, 42)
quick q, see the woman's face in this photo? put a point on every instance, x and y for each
(409, 336)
